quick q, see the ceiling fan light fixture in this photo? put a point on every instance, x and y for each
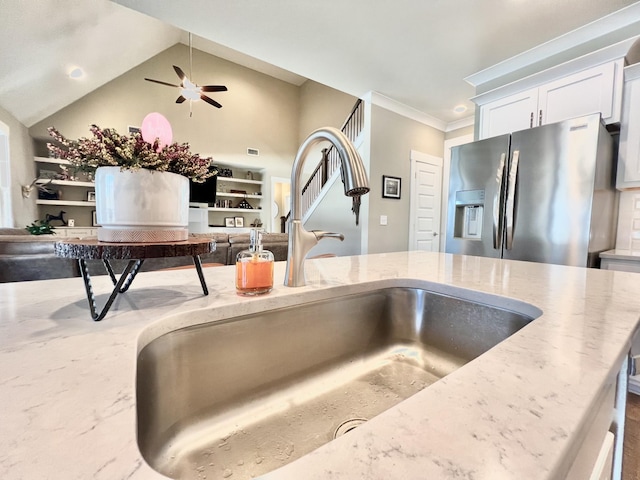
(190, 90)
(191, 94)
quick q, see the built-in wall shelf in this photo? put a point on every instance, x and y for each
(234, 210)
(66, 183)
(238, 180)
(57, 161)
(238, 195)
(69, 203)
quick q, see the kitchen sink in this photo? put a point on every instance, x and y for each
(248, 394)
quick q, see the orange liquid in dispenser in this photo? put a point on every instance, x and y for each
(254, 277)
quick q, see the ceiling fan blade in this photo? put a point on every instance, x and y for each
(180, 99)
(180, 73)
(161, 83)
(213, 88)
(210, 101)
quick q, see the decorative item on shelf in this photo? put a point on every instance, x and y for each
(238, 222)
(71, 222)
(94, 219)
(256, 223)
(40, 227)
(244, 204)
(60, 217)
(229, 222)
(43, 187)
(141, 180)
(44, 173)
(48, 194)
(224, 172)
(249, 175)
(65, 174)
(91, 196)
(243, 192)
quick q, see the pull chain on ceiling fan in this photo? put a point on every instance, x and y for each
(190, 90)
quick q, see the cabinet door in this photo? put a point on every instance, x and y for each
(629, 152)
(590, 91)
(509, 114)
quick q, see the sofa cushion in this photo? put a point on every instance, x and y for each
(36, 266)
(26, 244)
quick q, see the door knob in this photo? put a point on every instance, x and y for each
(435, 234)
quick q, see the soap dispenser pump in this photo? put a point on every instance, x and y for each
(254, 267)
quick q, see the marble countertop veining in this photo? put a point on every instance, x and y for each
(67, 384)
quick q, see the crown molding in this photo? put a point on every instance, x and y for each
(375, 98)
(614, 52)
(598, 28)
(462, 123)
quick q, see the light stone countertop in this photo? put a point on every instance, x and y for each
(620, 254)
(67, 384)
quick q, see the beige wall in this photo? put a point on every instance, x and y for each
(22, 170)
(322, 106)
(392, 139)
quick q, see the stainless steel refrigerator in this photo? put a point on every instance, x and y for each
(543, 195)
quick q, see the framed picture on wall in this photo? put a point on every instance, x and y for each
(391, 187)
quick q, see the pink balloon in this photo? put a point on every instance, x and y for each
(155, 125)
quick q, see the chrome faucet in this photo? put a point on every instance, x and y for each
(354, 178)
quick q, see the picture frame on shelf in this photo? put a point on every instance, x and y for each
(229, 222)
(132, 129)
(239, 222)
(94, 219)
(91, 196)
(391, 187)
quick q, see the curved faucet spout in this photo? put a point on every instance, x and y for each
(354, 178)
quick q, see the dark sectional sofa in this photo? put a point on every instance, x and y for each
(25, 257)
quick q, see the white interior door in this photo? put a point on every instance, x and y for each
(426, 202)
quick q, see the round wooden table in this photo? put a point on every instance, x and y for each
(84, 249)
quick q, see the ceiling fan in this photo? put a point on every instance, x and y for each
(190, 90)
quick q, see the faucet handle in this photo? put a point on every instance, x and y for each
(320, 234)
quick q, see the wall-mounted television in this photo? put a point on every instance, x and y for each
(203, 192)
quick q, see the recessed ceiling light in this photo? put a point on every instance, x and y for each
(460, 109)
(76, 73)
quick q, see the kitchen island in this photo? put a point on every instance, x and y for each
(536, 406)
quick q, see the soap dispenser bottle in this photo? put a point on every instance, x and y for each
(254, 267)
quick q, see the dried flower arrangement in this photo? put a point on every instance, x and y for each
(107, 148)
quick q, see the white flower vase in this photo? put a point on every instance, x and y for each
(141, 206)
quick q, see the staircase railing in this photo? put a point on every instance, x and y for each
(330, 161)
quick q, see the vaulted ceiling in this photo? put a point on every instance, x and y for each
(414, 52)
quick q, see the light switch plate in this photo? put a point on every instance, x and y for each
(383, 219)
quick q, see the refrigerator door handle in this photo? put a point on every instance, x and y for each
(511, 198)
(497, 224)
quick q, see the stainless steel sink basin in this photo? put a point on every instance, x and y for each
(247, 395)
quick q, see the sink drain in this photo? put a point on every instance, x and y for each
(347, 426)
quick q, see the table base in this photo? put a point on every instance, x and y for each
(122, 284)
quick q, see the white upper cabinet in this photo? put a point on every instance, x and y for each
(629, 150)
(589, 91)
(509, 114)
(596, 89)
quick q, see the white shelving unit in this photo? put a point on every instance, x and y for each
(212, 219)
(73, 196)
